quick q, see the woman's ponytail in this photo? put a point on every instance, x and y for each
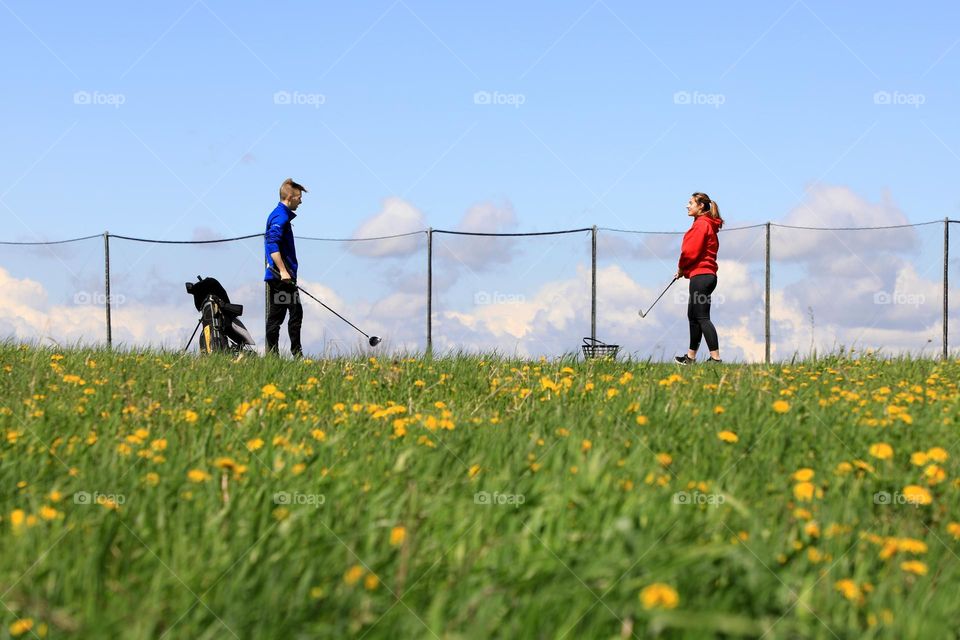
(715, 212)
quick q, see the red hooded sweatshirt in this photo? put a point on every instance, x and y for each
(698, 253)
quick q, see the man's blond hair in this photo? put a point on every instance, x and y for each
(289, 188)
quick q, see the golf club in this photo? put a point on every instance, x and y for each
(643, 314)
(373, 340)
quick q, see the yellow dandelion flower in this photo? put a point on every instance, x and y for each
(197, 475)
(849, 589)
(781, 406)
(918, 458)
(474, 470)
(642, 420)
(611, 392)
(21, 626)
(804, 491)
(914, 566)
(665, 459)
(318, 435)
(718, 409)
(353, 574)
(938, 454)
(55, 496)
(48, 513)
(917, 495)
(881, 451)
(546, 384)
(152, 479)
(254, 444)
(728, 436)
(934, 474)
(954, 529)
(227, 464)
(843, 468)
(190, 416)
(160, 444)
(268, 390)
(397, 535)
(803, 475)
(659, 596)
(586, 445)
(863, 466)
(371, 582)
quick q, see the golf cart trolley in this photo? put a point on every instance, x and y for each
(222, 329)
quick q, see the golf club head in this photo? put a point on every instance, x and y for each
(374, 341)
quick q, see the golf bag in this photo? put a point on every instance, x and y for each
(220, 319)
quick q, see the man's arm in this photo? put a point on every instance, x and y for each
(281, 267)
(272, 239)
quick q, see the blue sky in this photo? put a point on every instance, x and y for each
(397, 79)
(179, 120)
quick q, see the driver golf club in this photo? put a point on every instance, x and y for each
(643, 314)
(373, 340)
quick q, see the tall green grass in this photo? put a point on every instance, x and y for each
(522, 506)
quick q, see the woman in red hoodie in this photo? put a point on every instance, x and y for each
(698, 262)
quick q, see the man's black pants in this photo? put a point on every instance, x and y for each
(698, 312)
(280, 298)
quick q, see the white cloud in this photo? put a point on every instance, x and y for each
(396, 216)
(479, 252)
(836, 206)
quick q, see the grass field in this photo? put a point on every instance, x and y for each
(152, 495)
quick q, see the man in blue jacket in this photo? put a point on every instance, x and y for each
(281, 257)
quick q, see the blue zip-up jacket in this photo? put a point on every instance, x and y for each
(279, 237)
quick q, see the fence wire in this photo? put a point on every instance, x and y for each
(519, 294)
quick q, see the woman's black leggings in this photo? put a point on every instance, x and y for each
(698, 311)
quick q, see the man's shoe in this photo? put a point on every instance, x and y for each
(684, 360)
(715, 360)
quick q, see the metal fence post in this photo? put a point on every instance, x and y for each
(593, 286)
(766, 302)
(106, 284)
(429, 291)
(946, 282)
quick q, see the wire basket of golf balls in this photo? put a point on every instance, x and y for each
(594, 349)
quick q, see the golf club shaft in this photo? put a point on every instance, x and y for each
(659, 296)
(332, 311)
(301, 290)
